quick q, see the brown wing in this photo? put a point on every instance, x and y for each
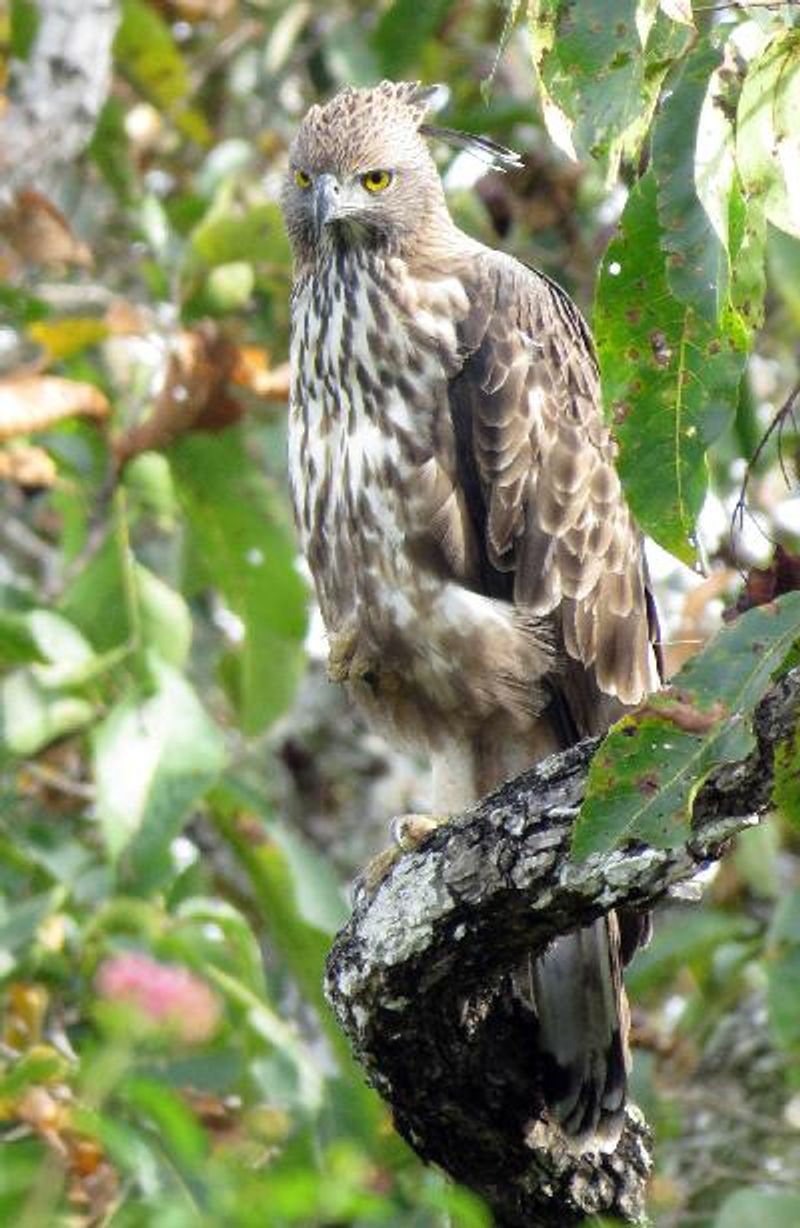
(535, 467)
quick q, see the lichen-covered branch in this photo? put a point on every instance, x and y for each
(419, 978)
(56, 96)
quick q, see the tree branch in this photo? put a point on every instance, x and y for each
(419, 976)
(56, 96)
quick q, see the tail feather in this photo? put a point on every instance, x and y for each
(582, 1014)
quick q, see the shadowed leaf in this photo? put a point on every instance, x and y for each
(670, 380)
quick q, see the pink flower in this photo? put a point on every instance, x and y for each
(166, 994)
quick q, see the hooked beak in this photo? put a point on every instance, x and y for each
(326, 201)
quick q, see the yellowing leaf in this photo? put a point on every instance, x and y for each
(31, 403)
(65, 337)
(767, 140)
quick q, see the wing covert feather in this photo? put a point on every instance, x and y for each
(543, 496)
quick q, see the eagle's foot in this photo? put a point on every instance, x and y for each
(409, 831)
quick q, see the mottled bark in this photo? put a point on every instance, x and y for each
(56, 96)
(419, 976)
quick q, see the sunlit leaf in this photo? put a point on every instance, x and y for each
(767, 137)
(155, 756)
(599, 88)
(228, 234)
(166, 624)
(670, 380)
(644, 778)
(32, 715)
(678, 10)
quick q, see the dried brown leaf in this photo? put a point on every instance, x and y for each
(30, 403)
(682, 713)
(194, 394)
(40, 234)
(253, 372)
(764, 584)
(27, 466)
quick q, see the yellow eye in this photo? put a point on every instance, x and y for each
(376, 181)
(302, 179)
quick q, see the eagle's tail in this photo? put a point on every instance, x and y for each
(582, 1014)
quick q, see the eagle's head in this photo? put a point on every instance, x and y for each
(360, 171)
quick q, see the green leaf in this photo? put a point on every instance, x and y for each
(32, 715)
(697, 257)
(402, 31)
(154, 757)
(227, 235)
(230, 286)
(24, 17)
(670, 380)
(95, 600)
(67, 653)
(766, 1208)
(100, 598)
(165, 621)
(247, 554)
(599, 68)
(786, 789)
(17, 641)
(146, 52)
(20, 923)
(767, 142)
(175, 1124)
(110, 152)
(688, 941)
(783, 973)
(643, 780)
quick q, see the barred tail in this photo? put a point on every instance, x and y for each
(583, 1024)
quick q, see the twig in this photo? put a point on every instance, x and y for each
(778, 424)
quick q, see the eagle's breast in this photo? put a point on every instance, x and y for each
(371, 352)
(372, 461)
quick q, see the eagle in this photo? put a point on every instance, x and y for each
(480, 576)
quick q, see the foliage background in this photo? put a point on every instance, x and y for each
(168, 793)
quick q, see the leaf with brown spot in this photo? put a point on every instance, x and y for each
(683, 715)
(679, 737)
(30, 403)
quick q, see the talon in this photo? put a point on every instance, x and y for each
(409, 831)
